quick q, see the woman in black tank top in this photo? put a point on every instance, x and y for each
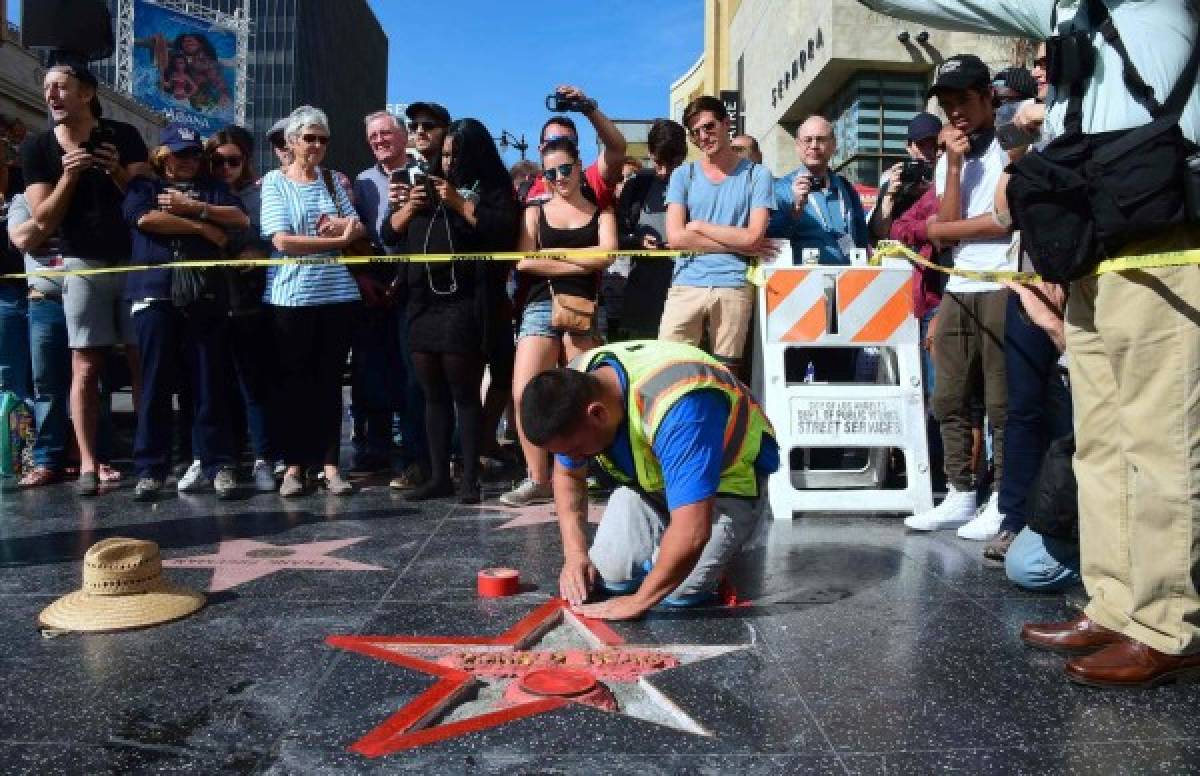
(567, 221)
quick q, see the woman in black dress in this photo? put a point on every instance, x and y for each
(469, 208)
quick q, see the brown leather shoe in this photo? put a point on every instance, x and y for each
(1073, 637)
(1130, 663)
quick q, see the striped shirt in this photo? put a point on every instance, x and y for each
(294, 208)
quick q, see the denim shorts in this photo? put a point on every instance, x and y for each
(535, 321)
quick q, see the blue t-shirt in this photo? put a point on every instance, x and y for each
(728, 203)
(829, 216)
(689, 445)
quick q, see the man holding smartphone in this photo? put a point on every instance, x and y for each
(75, 174)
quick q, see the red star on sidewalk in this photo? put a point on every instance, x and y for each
(463, 662)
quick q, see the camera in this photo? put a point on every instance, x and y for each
(817, 182)
(560, 104)
(915, 171)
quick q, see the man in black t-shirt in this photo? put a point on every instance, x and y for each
(75, 177)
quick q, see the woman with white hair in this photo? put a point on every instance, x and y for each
(305, 213)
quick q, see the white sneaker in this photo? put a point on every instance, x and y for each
(956, 509)
(986, 523)
(194, 480)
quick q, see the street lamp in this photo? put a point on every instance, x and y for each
(508, 140)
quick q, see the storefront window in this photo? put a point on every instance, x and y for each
(870, 117)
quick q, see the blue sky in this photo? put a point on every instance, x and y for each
(497, 61)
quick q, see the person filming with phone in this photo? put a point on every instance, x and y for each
(76, 174)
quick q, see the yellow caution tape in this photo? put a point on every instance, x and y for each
(417, 258)
(890, 249)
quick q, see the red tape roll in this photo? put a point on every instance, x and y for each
(497, 583)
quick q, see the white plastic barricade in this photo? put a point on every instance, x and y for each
(843, 307)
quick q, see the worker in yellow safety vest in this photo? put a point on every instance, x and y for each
(690, 448)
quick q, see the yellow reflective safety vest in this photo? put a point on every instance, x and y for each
(660, 373)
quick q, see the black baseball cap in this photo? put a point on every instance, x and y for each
(430, 108)
(962, 71)
(923, 125)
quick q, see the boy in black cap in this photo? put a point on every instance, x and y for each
(969, 335)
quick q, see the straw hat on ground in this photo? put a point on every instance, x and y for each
(123, 588)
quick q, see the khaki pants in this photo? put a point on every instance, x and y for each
(968, 354)
(1133, 340)
(724, 312)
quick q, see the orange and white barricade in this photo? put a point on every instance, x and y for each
(815, 306)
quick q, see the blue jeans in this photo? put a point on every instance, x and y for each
(14, 338)
(1039, 409)
(1041, 563)
(51, 381)
(373, 384)
(413, 449)
(161, 330)
(927, 371)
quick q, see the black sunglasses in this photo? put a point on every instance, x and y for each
(188, 153)
(426, 126)
(315, 139)
(562, 171)
(707, 128)
(226, 161)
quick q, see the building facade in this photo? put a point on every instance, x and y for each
(866, 72)
(333, 55)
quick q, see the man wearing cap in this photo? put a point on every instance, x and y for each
(906, 203)
(691, 449)
(75, 174)
(968, 342)
(817, 209)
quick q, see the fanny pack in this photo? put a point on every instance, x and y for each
(570, 312)
(1083, 197)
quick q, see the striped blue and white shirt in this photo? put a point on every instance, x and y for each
(294, 208)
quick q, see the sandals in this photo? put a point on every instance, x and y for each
(38, 477)
(108, 474)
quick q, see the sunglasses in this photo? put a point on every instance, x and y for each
(226, 161)
(190, 154)
(424, 126)
(562, 171)
(315, 139)
(741, 149)
(707, 128)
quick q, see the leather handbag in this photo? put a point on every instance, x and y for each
(576, 314)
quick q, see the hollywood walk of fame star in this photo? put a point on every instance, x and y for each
(417, 723)
(238, 561)
(538, 514)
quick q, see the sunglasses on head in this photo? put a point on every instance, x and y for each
(562, 171)
(315, 139)
(424, 126)
(226, 161)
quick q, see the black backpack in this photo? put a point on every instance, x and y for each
(1052, 506)
(1083, 197)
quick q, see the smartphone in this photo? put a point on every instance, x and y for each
(100, 135)
(398, 176)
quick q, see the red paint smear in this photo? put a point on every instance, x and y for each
(454, 729)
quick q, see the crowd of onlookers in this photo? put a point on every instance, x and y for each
(234, 360)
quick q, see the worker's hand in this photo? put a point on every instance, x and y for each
(576, 579)
(626, 607)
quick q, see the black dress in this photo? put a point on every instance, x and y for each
(450, 305)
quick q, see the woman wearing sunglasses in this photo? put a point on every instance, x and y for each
(306, 213)
(184, 215)
(230, 154)
(449, 305)
(568, 220)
